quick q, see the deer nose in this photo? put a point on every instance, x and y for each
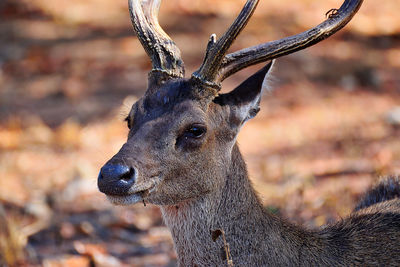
(116, 179)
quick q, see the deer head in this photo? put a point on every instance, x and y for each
(182, 131)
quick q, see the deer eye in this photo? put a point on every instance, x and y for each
(128, 121)
(195, 131)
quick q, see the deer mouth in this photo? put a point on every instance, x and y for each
(136, 194)
(129, 199)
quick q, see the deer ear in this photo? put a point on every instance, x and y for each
(244, 100)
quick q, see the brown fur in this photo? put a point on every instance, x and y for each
(201, 185)
(258, 238)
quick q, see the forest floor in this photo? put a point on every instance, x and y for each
(70, 70)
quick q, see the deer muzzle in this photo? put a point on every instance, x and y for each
(116, 179)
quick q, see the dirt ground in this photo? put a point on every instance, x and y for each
(70, 69)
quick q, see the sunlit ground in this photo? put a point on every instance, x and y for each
(69, 71)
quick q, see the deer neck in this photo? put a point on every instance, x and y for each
(236, 209)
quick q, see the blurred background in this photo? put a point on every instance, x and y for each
(70, 69)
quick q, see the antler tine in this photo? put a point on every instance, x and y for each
(163, 52)
(216, 50)
(249, 56)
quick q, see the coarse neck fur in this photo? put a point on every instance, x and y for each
(236, 209)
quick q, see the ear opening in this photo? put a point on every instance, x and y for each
(245, 99)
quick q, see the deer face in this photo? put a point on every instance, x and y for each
(181, 132)
(178, 145)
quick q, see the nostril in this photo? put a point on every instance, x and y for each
(128, 176)
(116, 179)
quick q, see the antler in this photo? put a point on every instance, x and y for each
(216, 49)
(165, 55)
(216, 66)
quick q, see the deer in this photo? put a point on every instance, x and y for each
(181, 154)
